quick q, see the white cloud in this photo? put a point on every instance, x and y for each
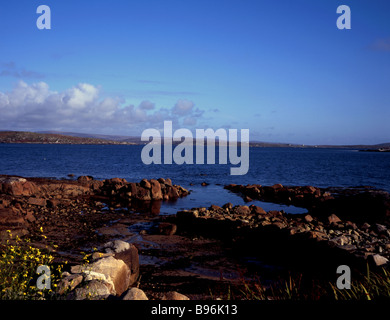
(81, 108)
(81, 95)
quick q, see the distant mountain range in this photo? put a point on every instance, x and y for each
(57, 137)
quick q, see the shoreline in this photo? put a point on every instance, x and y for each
(171, 251)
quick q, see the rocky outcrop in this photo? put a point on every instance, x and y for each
(17, 186)
(119, 190)
(110, 273)
(331, 239)
(22, 200)
(347, 203)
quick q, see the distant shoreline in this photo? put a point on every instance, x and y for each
(24, 137)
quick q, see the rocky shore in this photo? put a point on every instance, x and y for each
(116, 224)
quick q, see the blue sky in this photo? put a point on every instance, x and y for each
(280, 68)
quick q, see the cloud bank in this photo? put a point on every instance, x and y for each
(82, 108)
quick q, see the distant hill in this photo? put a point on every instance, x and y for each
(50, 138)
(96, 136)
(57, 137)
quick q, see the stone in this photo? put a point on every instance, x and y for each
(99, 255)
(380, 228)
(187, 214)
(143, 194)
(173, 295)
(309, 189)
(167, 228)
(242, 210)
(37, 202)
(248, 199)
(134, 294)
(91, 275)
(351, 225)
(365, 226)
(10, 217)
(17, 186)
(228, 205)
(114, 269)
(317, 235)
(378, 260)
(279, 225)
(69, 283)
(72, 190)
(52, 203)
(116, 181)
(172, 192)
(131, 258)
(156, 191)
(116, 246)
(84, 178)
(92, 290)
(333, 218)
(308, 218)
(258, 210)
(341, 240)
(30, 216)
(145, 184)
(349, 247)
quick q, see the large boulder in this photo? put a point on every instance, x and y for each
(135, 294)
(91, 290)
(128, 253)
(115, 270)
(16, 186)
(156, 190)
(173, 295)
(143, 194)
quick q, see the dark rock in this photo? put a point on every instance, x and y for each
(365, 226)
(380, 228)
(308, 218)
(248, 199)
(134, 294)
(333, 219)
(143, 194)
(52, 203)
(228, 206)
(167, 228)
(156, 191)
(85, 178)
(215, 208)
(173, 295)
(172, 192)
(242, 210)
(16, 186)
(37, 202)
(257, 210)
(145, 184)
